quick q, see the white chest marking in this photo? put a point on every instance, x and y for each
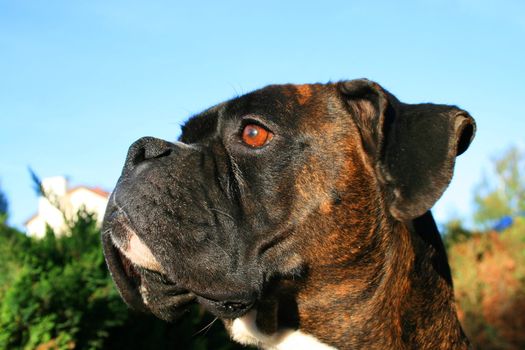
(244, 331)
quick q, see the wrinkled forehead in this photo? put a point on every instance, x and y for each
(285, 105)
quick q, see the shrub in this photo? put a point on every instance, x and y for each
(489, 275)
(56, 293)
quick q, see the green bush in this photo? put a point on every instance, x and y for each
(56, 293)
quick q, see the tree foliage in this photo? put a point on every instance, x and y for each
(455, 233)
(504, 194)
(489, 279)
(3, 206)
(488, 267)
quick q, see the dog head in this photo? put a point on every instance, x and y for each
(262, 191)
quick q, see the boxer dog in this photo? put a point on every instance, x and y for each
(297, 214)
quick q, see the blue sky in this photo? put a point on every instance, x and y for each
(80, 81)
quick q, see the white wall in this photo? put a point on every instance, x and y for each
(69, 202)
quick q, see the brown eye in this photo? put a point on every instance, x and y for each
(256, 136)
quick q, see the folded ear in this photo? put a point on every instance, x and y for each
(412, 147)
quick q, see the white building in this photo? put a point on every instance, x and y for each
(69, 200)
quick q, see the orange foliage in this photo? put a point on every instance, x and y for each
(489, 278)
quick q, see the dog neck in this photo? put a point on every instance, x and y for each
(395, 293)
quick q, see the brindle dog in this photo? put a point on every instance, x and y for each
(299, 215)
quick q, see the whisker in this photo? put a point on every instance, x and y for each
(237, 174)
(206, 328)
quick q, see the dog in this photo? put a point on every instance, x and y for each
(298, 215)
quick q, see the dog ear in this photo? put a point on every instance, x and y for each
(412, 147)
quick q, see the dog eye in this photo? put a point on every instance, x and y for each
(256, 136)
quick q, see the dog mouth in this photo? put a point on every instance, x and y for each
(144, 289)
(144, 285)
(226, 309)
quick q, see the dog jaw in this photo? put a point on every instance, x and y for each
(244, 330)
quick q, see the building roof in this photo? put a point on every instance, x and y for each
(97, 190)
(30, 219)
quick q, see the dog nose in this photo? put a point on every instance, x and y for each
(147, 148)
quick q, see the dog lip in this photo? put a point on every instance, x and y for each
(129, 244)
(132, 283)
(127, 286)
(227, 309)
